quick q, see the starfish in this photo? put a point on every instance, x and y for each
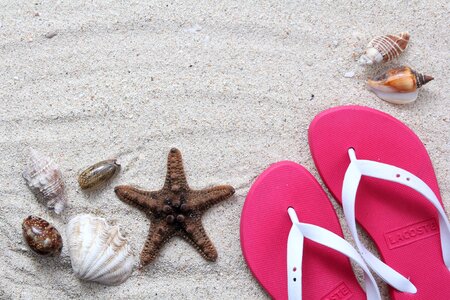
(175, 210)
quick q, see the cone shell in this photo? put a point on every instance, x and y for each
(385, 48)
(98, 173)
(45, 180)
(98, 252)
(398, 85)
(41, 236)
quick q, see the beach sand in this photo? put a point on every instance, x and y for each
(234, 85)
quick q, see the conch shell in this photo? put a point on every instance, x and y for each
(98, 252)
(45, 180)
(398, 85)
(385, 48)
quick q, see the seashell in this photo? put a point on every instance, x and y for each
(385, 48)
(41, 236)
(98, 252)
(98, 173)
(398, 85)
(45, 180)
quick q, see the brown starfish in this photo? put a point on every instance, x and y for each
(175, 210)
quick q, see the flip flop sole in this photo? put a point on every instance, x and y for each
(265, 226)
(403, 224)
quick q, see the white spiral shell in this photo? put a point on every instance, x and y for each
(98, 252)
(45, 180)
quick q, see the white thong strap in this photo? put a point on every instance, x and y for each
(324, 237)
(355, 171)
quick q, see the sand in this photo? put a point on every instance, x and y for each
(233, 85)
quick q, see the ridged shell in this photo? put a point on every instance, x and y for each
(98, 173)
(98, 252)
(385, 48)
(41, 236)
(45, 180)
(398, 85)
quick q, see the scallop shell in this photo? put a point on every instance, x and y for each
(398, 85)
(41, 236)
(45, 180)
(98, 173)
(385, 48)
(98, 252)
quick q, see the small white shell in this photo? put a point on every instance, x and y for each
(98, 252)
(45, 180)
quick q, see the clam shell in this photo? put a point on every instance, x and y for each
(45, 180)
(398, 85)
(41, 236)
(385, 48)
(98, 252)
(98, 173)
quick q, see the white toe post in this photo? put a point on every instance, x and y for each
(358, 168)
(324, 237)
(294, 258)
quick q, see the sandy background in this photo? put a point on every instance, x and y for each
(233, 85)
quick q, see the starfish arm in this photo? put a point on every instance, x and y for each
(175, 178)
(138, 198)
(196, 236)
(205, 198)
(158, 235)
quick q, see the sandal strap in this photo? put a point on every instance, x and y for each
(320, 235)
(356, 169)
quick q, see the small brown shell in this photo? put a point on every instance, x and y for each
(41, 236)
(98, 173)
(385, 48)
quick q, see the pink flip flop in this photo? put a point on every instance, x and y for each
(367, 156)
(291, 239)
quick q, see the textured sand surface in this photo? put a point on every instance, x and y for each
(233, 85)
